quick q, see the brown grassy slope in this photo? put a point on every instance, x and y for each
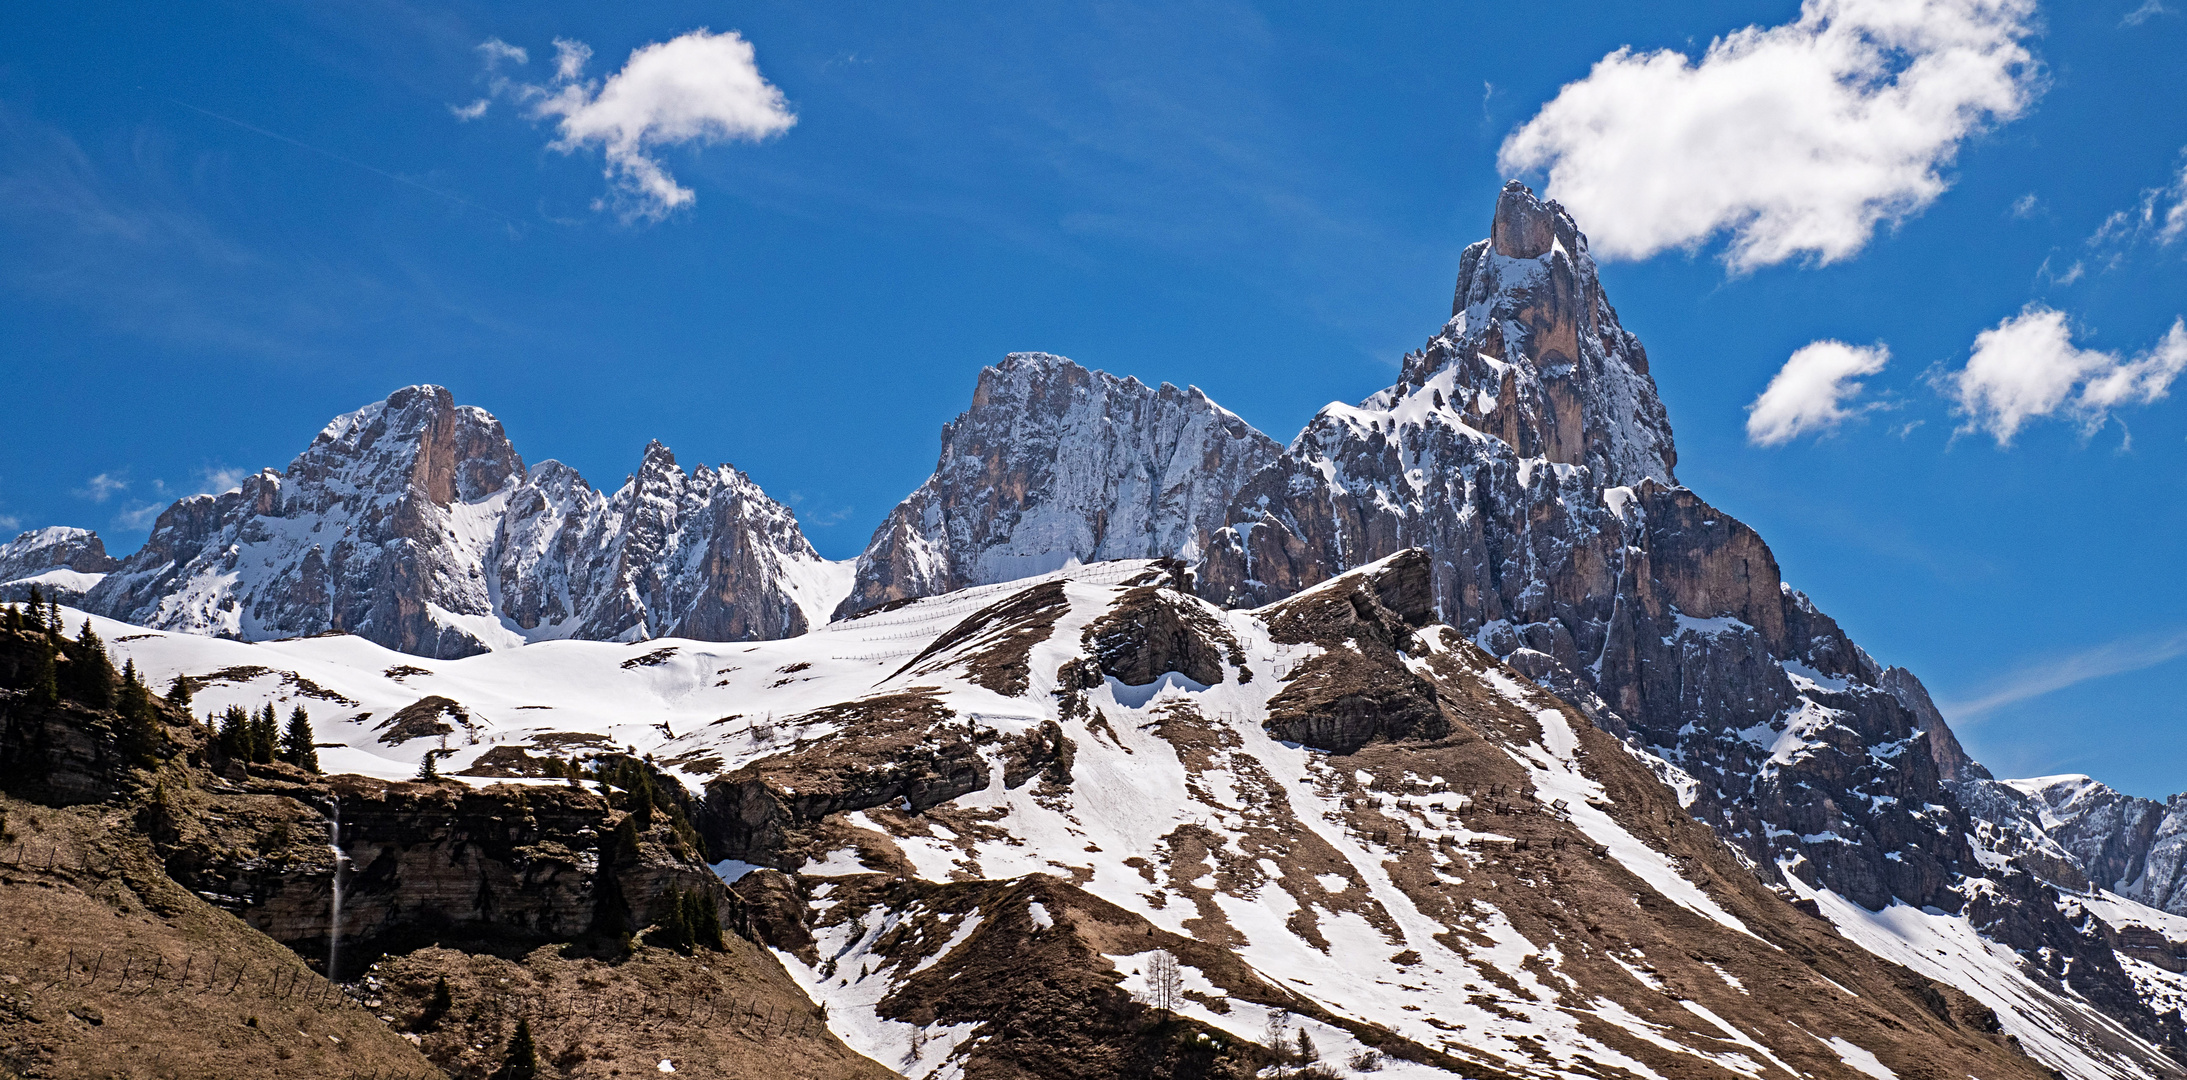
(110, 969)
(732, 1014)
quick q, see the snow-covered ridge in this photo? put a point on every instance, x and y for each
(414, 523)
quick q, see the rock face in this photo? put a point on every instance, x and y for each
(414, 523)
(1054, 463)
(1526, 452)
(64, 564)
(2083, 835)
(704, 555)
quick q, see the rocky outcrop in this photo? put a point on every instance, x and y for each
(414, 523)
(1358, 688)
(703, 554)
(1054, 463)
(1524, 451)
(2081, 834)
(64, 564)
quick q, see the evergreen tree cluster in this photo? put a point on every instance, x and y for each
(693, 921)
(632, 785)
(80, 670)
(259, 738)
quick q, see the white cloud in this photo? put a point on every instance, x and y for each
(2027, 367)
(2149, 9)
(2025, 205)
(570, 58)
(2161, 215)
(2055, 673)
(696, 89)
(10, 521)
(137, 516)
(469, 112)
(496, 51)
(102, 487)
(1794, 139)
(216, 479)
(1809, 394)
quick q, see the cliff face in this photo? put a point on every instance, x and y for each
(1054, 463)
(413, 523)
(63, 563)
(1525, 450)
(703, 555)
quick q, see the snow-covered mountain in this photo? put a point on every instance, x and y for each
(1525, 450)
(1055, 464)
(968, 824)
(1194, 724)
(64, 563)
(414, 523)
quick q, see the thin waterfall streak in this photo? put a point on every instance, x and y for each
(334, 920)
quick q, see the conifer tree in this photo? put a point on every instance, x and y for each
(235, 733)
(296, 747)
(178, 693)
(522, 1060)
(53, 616)
(90, 671)
(265, 729)
(37, 609)
(140, 718)
(427, 769)
(45, 685)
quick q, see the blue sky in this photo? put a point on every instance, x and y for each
(222, 224)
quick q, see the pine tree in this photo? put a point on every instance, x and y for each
(235, 733)
(265, 728)
(522, 1060)
(53, 616)
(45, 685)
(37, 609)
(178, 693)
(90, 678)
(705, 919)
(140, 718)
(427, 770)
(1307, 1053)
(296, 747)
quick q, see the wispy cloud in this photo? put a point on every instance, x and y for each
(136, 516)
(2050, 675)
(2148, 10)
(215, 479)
(102, 487)
(2159, 216)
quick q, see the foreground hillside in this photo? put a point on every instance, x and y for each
(968, 825)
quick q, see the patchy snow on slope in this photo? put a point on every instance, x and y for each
(1947, 948)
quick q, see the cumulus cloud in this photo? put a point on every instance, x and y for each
(2027, 367)
(1809, 395)
(694, 90)
(1798, 139)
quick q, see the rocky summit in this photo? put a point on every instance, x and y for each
(413, 523)
(1455, 737)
